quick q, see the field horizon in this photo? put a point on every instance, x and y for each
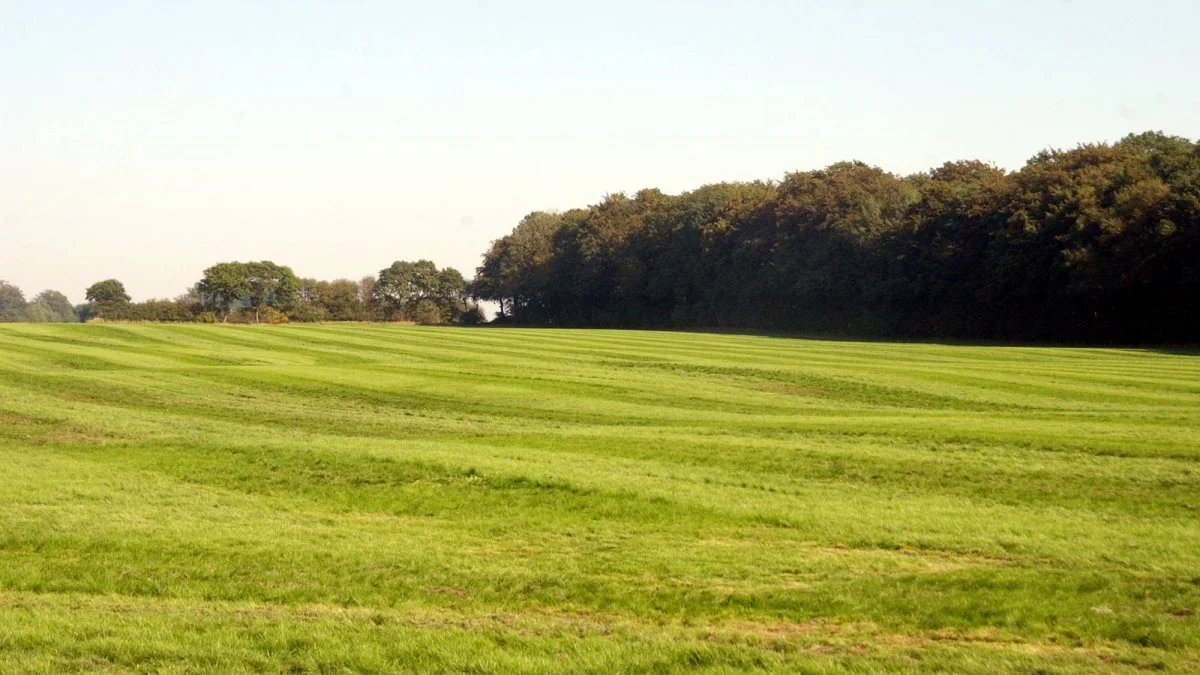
(379, 498)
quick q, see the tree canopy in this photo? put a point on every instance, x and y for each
(419, 291)
(108, 298)
(1097, 243)
(53, 307)
(46, 307)
(12, 303)
(259, 286)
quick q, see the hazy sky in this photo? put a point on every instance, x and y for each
(147, 140)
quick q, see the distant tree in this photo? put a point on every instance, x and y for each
(189, 304)
(451, 294)
(270, 285)
(366, 298)
(451, 286)
(108, 298)
(12, 303)
(404, 284)
(1097, 243)
(938, 263)
(162, 311)
(223, 286)
(427, 312)
(828, 245)
(309, 303)
(38, 313)
(256, 285)
(57, 305)
(516, 270)
(342, 301)
(472, 316)
(405, 287)
(489, 282)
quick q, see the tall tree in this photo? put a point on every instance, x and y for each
(269, 285)
(366, 298)
(406, 287)
(108, 298)
(57, 307)
(1097, 243)
(223, 287)
(256, 285)
(336, 300)
(12, 303)
(309, 303)
(404, 284)
(342, 302)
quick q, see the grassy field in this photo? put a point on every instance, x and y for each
(373, 498)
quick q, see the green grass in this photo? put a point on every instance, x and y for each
(373, 498)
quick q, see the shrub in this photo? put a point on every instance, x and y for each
(427, 313)
(271, 315)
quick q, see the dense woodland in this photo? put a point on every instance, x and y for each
(1097, 244)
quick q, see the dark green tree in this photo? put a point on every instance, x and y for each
(401, 286)
(1098, 243)
(12, 303)
(224, 287)
(269, 285)
(108, 299)
(256, 285)
(54, 307)
(406, 287)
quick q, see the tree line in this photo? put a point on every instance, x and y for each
(266, 292)
(1100, 243)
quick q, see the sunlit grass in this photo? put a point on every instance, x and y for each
(381, 498)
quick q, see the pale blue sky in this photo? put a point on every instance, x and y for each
(147, 140)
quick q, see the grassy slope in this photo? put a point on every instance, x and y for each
(376, 498)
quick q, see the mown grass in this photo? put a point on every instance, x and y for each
(373, 498)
